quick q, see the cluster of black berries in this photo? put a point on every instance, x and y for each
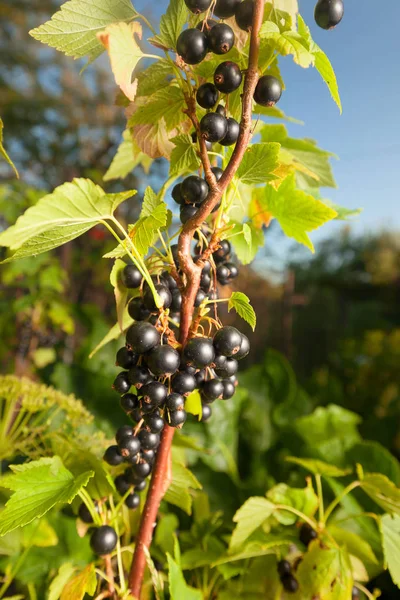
(328, 13)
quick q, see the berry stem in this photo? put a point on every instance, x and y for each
(192, 272)
(110, 575)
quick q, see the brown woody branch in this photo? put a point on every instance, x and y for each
(192, 274)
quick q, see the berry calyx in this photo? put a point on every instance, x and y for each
(129, 446)
(103, 540)
(199, 352)
(154, 393)
(226, 8)
(113, 457)
(131, 277)
(213, 127)
(221, 38)
(227, 77)
(163, 360)
(307, 534)
(328, 13)
(268, 91)
(244, 14)
(142, 337)
(192, 46)
(227, 341)
(207, 95)
(232, 133)
(194, 189)
(198, 6)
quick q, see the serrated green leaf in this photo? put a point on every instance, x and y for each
(246, 240)
(3, 152)
(258, 163)
(171, 25)
(167, 103)
(83, 583)
(64, 574)
(298, 213)
(390, 530)
(304, 500)
(178, 588)
(38, 486)
(68, 212)
(182, 481)
(154, 216)
(74, 27)
(318, 467)
(288, 42)
(157, 76)
(382, 491)
(241, 304)
(184, 157)
(114, 332)
(356, 546)
(128, 157)
(249, 517)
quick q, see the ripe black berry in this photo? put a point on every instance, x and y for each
(132, 501)
(155, 423)
(198, 6)
(163, 360)
(177, 418)
(125, 358)
(222, 252)
(139, 376)
(137, 310)
(244, 348)
(207, 95)
(142, 337)
(154, 393)
(227, 77)
(218, 172)
(187, 212)
(230, 367)
(129, 446)
(175, 402)
(129, 402)
(149, 455)
(164, 294)
(199, 352)
(183, 383)
(213, 127)
(328, 13)
(141, 469)
(131, 276)
(205, 282)
(194, 189)
(227, 341)
(122, 485)
(232, 134)
(307, 534)
(121, 383)
(233, 270)
(123, 432)
(192, 46)
(221, 110)
(176, 301)
(177, 193)
(244, 14)
(222, 274)
(290, 583)
(148, 440)
(220, 40)
(206, 412)
(206, 25)
(212, 390)
(229, 389)
(103, 540)
(200, 377)
(169, 280)
(268, 91)
(284, 567)
(84, 513)
(226, 8)
(200, 297)
(112, 456)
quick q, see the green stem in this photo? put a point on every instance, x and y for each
(83, 494)
(320, 498)
(358, 516)
(152, 56)
(296, 512)
(352, 486)
(119, 555)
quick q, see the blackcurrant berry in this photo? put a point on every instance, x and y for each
(177, 193)
(141, 469)
(290, 583)
(129, 446)
(205, 282)
(200, 377)
(223, 251)
(137, 310)
(284, 567)
(129, 402)
(149, 455)
(328, 13)
(164, 294)
(194, 189)
(244, 14)
(213, 127)
(139, 487)
(112, 456)
(84, 513)
(121, 383)
(218, 172)
(139, 376)
(148, 440)
(154, 423)
(175, 253)
(233, 270)
(169, 281)
(132, 501)
(227, 78)
(268, 90)
(212, 390)
(226, 8)
(131, 276)
(125, 358)
(192, 46)
(244, 348)
(206, 25)
(199, 352)
(177, 418)
(227, 341)
(229, 389)
(307, 534)
(206, 412)
(232, 134)
(142, 337)
(187, 212)
(163, 360)
(183, 383)
(198, 6)
(230, 368)
(200, 297)
(207, 95)
(154, 393)
(123, 432)
(220, 40)
(221, 110)
(122, 485)
(176, 301)
(103, 540)
(175, 402)
(222, 274)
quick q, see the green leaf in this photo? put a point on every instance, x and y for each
(184, 157)
(193, 404)
(68, 212)
(83, 583)
(156, 76)
(390, 530)
(73, 28)
(356, 546)
(38, 486)
(3, 152)
(167, 103)
(114, 333)
(249, 517)
(343, 213)
(375, 458)
(64, 574)
(171, 25)
(241, 304)
(156, 576)
(304, 500)
(178, 588)
(246, 240)
(318, 467)
(178, 491)
(298, 213)
(258, 163)
(39, 533)
(153, 216)
(120, 291)
(382, 491)
(289, 42)
(128, 157)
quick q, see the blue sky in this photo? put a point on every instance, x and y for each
(364, 52)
